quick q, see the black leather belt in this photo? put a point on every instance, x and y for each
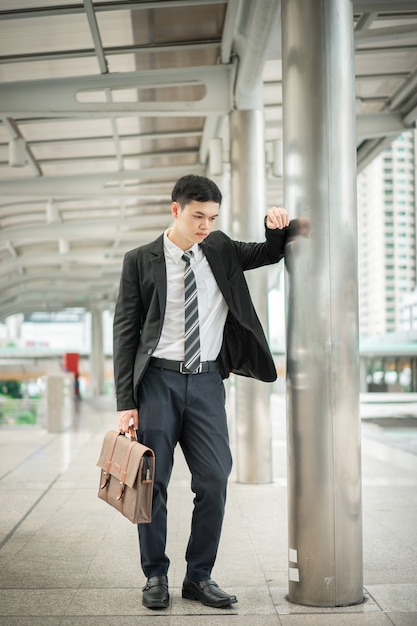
(178, 366)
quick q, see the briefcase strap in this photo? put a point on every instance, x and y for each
(123, 477)
(106, 470)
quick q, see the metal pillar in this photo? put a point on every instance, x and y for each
(253, 424)
(97, 353)
(363, 375)
(324, 468)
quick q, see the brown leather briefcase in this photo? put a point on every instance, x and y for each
(127, 476)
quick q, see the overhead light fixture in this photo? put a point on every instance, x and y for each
(17, 152)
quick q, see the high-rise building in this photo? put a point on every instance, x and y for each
(387, 237)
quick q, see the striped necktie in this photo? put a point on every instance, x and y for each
(192, 349)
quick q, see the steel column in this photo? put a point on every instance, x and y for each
(324, 467)
(97, 352)
(253, 424)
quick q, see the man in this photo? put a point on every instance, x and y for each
(173, 392)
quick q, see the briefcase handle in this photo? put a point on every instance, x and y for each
(131, 433)
(106, 468)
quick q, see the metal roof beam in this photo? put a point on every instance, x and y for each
(85, 257)
(58, 55)
(370, 149)
(58, 97)
(406, 91)
(381, 35)
(383, 6)
(373, 125)
(15, 134)
(73, 275)
(381, 76)
(91, 282)
(386, 50)
(108, 184)
(111, 157)
(37, 299)
(252, 49)
(365, 21)
(95, 34)
(104, 301)
(56, 282)
(78, 230)
(174, 134)
(64, 290)
(229, 29)
(129, 5)
(411, 117)
(147, 198)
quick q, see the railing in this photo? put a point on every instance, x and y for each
(19, 412)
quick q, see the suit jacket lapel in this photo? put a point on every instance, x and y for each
(216, 265)
(159, 272)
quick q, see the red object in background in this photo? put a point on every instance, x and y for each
(71, 360)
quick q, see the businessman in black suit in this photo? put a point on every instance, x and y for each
(179, 401)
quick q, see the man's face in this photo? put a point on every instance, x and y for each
(193, 223)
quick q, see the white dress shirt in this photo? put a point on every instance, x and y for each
(212, 308)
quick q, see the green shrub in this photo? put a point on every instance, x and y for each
(11, 388)
(26, 417)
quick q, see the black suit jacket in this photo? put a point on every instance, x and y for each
(141, 304)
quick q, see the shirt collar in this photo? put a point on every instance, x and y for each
(176, 253)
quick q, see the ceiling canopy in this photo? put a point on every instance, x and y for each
(104, 104)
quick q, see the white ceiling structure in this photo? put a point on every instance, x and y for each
(105, 103)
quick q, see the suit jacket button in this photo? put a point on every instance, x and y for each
(150, 351)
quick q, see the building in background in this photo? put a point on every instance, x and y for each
(387, 238)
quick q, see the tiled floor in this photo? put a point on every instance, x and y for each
(66, 559)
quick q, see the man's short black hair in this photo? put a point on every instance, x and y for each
(198, 188)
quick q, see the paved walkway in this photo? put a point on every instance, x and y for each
(66, 559)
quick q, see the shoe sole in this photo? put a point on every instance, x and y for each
(188, 595)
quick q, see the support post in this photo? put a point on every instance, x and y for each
(324, 458)
(97, 352)
(253, 422)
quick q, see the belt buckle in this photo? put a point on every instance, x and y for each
(197, 370)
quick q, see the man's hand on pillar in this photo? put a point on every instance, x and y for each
(277, 217)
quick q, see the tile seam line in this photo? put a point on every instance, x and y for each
(375, 600)
(28, 512)
(52, 483)
(32, 454)
(45, 445)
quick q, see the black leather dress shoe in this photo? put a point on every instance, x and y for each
(207, 592)
(155, 593)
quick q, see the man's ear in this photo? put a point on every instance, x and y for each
(175, 209)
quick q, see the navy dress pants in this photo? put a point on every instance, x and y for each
(189, 410)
